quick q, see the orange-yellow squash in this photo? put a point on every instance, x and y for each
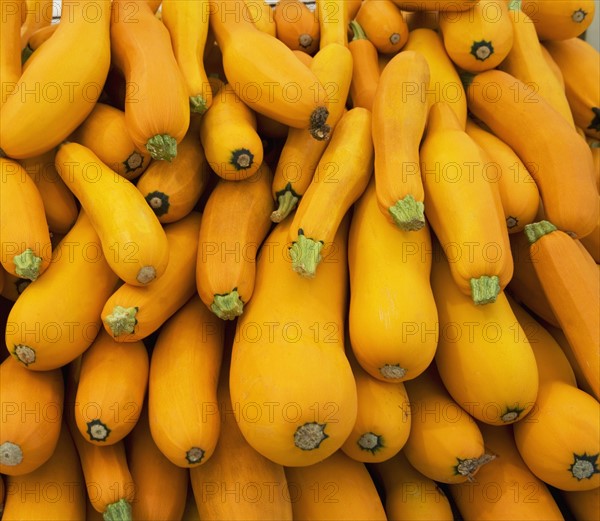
(146, 462)
(340, 178)
(560, 440)
(172, 189)
(55, 490)
(483, 356)
(187, 23)
(25, 247)
(10, 47)
(133, 240)
(392, 339)
(182, 391)
(365, 69)
(438, 421)
(132, 313)
(157, 108)
(32, 409)
(105, 133)
(61, 84)
(478, 39)
(112, 385)
(270, 79)
(56, 318)
(505, 489)
(559, 19)
(290, 377)
(235, 222)
(297, 26)
(558, 159)
(452, 170)
(409, 495)
(384, 25)
(436, 5)
(400, 109)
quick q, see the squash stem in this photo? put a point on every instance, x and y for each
(227, 306)
(10, 454)
(287, 201)
(317, 128)
(357, 31)
(305, 40)
(198, 104)
(122, 320)
(514, 5)
(119, 511)
(306, 255)
(537, 230)
(162, 147)
(484, 289)
(27, 264)
(408, 214)
(469, 467)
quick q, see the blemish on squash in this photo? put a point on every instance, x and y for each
(393, 372)
(133, 162)
(482, 50)
(370, 442)
(578, 16)
(584, 466)
(317, 127)
(194, 455)
(310, 435)
(24, 354)
(10, 454)
(159, 202)
(97, 431)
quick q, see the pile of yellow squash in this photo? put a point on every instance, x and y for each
(286, 260)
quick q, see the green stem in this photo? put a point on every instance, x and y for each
(119, 511)
(357, 31)
(287, 201)
(306, 255)
(408, 214)
(162, 147)
(537, 230)
(484, 289)
(228, 306)
(198, 104)
(514, 5)
(27, 264)
(122, 320)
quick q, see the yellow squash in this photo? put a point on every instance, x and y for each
(182, 391)
(10, 47)
(340, 178)
(234, 224)
(456, 190)
(289, 375)
(56, 319)
(132, 313)
(335, 489)
(32, 409)
(133, 240)
(559, 19)
(187, 23)
(400, 109)
(105, 133)
(61, 85)
(392, 339)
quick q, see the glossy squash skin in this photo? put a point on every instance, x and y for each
(301, 356)
(62, 95)
(157, 108)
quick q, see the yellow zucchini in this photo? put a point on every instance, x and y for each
(132, 313)
(133, 240)
(56, 319)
